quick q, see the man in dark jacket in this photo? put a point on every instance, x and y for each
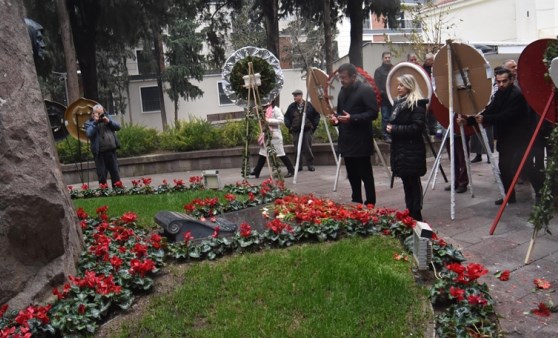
(356, 109)
(380, 77)
(293, 121)
(508, 113)
(100, 129)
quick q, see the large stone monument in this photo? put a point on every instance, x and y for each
(40, 239)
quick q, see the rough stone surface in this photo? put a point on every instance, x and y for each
(40, 238)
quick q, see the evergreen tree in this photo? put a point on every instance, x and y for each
(183, 55)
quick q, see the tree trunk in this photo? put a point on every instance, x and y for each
(356, 15)
(159, 56)
(328, 38)
(69, 52)
(84, 31)
(270, 11)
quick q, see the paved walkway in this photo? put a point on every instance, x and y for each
(505, 250)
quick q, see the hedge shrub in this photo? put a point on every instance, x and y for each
(195, 134)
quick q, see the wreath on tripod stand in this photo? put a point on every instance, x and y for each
(252, 78)
(544, 210)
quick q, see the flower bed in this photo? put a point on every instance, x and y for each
(120, 259)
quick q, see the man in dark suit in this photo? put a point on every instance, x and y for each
(508, 113)
(356, 109)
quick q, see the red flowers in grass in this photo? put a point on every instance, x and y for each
(457, 293)
(85, 186)
(141, 267)
(155, 241)
(477, 300)
(230, 197)
(81, 214)
(541, 283)
(542, 310)
(119, 184)
(37, 312)
(116, 262)
(178, 182)
(277, 226)
(3, 310)
(146, 181)
(62, 294)
(103, 186)
(437, 239)
(403, 217)
(129, 217)
(102, 284)
(195, 179)
(140, 250)
(467, 274)
(474, 299)
(101, 210)
(245, 230)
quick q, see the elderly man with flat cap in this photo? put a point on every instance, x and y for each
(293, 121)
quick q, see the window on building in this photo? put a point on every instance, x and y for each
(223, 98)
(150, 99)
(146, 62)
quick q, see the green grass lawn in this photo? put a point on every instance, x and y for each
(145, 206)
(350, 288)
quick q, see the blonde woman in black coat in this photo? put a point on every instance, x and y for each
(408, 153)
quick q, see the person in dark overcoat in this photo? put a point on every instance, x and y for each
(508, 112)
(408, 152)
(356, 109)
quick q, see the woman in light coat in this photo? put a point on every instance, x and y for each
(274, 117)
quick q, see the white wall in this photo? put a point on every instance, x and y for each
(477, 21)
(208, 104)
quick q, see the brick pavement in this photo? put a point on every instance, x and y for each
(469, 231)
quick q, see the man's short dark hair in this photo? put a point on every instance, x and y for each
(349, 68)
(503, 70)
(385, 53)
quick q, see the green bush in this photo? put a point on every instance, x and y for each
(137, 140)
(320, 135)
(71, 150)
(233, 133)
(196, 134)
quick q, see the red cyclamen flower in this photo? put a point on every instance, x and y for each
(245, 230)
(541, 283)
(188, 237)
(457, 293)
(476, 300)
(129, 217)
(542, 310)
(216, 232)
(504, 276)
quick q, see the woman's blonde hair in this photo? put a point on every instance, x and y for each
(415, 94)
